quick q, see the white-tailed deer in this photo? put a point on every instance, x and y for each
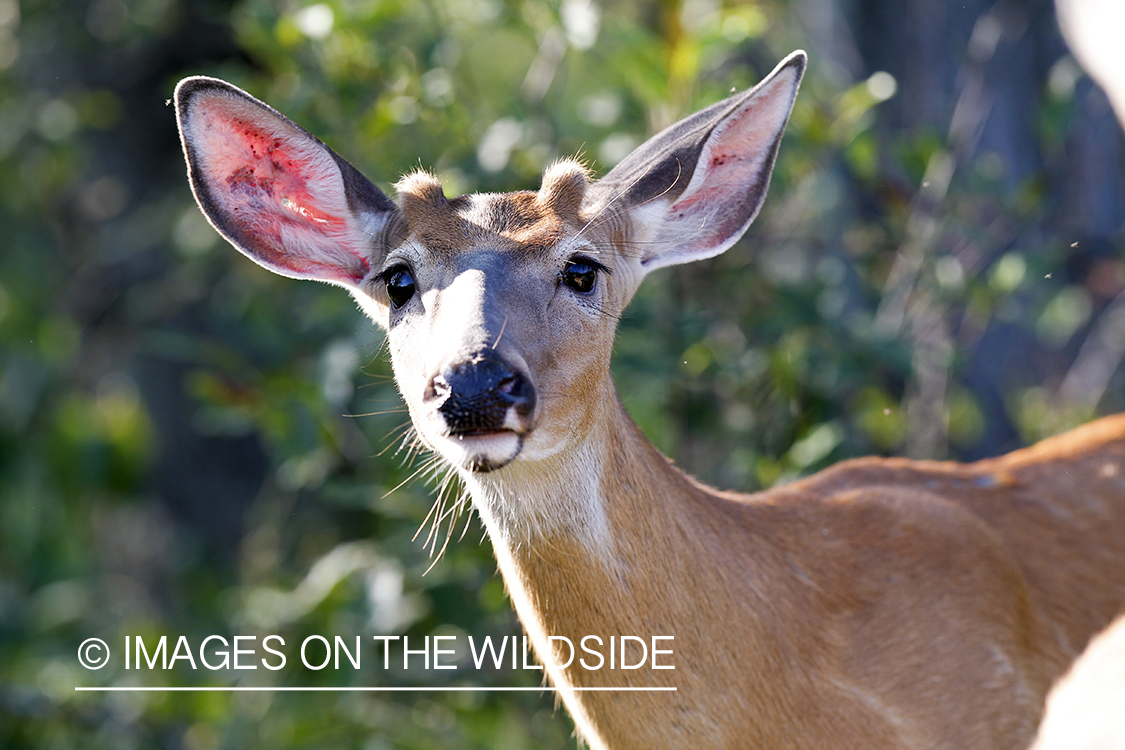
(879, 604)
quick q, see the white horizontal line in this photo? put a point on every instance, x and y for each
(365, 689)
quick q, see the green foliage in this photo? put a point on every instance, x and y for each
(191, 446)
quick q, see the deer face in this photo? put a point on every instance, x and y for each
(500, 312)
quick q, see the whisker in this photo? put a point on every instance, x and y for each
(405, 430)
(396, 410)
(590, 224)
(456, 507)
(403, 483)
(501, 334)
(376, 379)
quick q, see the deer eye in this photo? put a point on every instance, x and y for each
(581, 275)
(400, 285)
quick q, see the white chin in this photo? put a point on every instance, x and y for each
(481, 453)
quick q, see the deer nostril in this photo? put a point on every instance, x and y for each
(438, 389)
(517, 389)
(476, 396)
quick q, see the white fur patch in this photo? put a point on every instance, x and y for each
(529, 502)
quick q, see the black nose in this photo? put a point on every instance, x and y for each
(476, 395)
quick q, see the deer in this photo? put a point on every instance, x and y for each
(882, 603)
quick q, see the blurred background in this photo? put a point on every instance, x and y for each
(192, 446)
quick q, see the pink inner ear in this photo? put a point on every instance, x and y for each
(732, 159)
(718, 202)
(280, 192)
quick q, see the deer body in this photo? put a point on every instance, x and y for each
(852, 609)
(880, 604)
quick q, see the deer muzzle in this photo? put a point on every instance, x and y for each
(486, 406)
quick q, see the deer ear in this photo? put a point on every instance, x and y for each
(274, 191)
(693, 189)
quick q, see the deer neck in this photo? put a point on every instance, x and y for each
(632, 554)
(598, 496)
(593, 540)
